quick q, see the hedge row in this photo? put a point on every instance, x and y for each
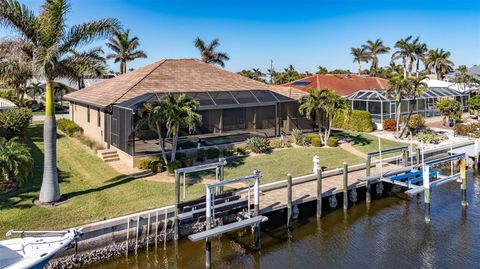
(356, 120)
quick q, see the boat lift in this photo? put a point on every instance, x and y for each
(249, 219)
(219, 175)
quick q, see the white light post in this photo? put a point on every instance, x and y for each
(316, 161)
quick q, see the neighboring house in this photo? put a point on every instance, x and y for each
(343, 85)
(233, 107)
(6, 104)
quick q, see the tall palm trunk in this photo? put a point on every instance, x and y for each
(418, 66)
(410, 112)
(404, 63)
(399, 110)
(123, 67)
(174, 146)
(359, 68)
(50, 190)
(162, 145)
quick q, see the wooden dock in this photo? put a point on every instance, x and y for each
(275, 199)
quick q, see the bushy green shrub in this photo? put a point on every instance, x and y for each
(14, 122)
(474, 103)
(390, 125)
(332, 141)
(201, 155)
(16, 162)
(309, 137)
(315, 141)
(276, 144)
(257, 145)
(427, 138)
(228, 152)
(213, 153)
(241, 150)
(69, 127)
(355, 120)
(415, 123)
(171, 166)
(298, 137)
(184, 159)
(155, 164)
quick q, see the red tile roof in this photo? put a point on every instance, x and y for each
(343, 85)
(170, 75)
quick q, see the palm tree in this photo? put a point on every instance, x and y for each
(359, 56)
(179, 112)
(124, 49)
(405, 50)
(438, 60)
(16, 162)
(90, 62)
(373, 49)
(414, 90)
(15, 65)
(324, 102)
(58, 91)
(35, 89)
(208, 53)
(419, 51)
(153, 117)
(51, 41)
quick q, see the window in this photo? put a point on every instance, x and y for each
(88, 113)
(98, 117)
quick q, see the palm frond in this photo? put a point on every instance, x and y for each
(85, 33)
(19, 17)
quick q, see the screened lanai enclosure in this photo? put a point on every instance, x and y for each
(381, 106)
(227, 117)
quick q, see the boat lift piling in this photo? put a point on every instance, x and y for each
(319, 193)
(463, 186)
(289, 200)
(426, 192)
(345, 186)
(219, 174)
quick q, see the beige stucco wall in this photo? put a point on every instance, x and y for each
(78, 113)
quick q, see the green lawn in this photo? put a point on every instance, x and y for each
(368, 143)
(297, 161)
(94, 190)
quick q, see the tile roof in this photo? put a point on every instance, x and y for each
(343, 85)
(170, 75)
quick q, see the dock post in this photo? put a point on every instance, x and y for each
(177, 202)
(289, 200)
(319, 193)
(418, 155)
(405, 158)
(426, 186)
(156, 229)
(256, 209)
(475, 159)
(222, 173)
(463, 186)
(208, 241)
(136, 236)
(128, 233)
(368, 197)
(345, 186)
(148, 230)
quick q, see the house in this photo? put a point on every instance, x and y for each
(233, 107)
(343, 84)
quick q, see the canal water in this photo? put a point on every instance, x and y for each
(390, 234)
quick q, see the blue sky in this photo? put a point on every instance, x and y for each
(303, 33)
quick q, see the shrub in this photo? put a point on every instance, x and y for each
(474, 103)
(257, 145)
(184, 159)
(16, 162)
(69, 127)
(241, 150)
(309, 137)
(213, 153)
(298, 137)
(390, 125)
(332, 141)
(416, 122)
(14, 122)
(449, 108)
(155, 164)
(276, 144)
(171, 166)
(427, 138)
(228, 152)
(200, 155)
(472, 129)
(316, 142)
(355, 120)
(92, 144)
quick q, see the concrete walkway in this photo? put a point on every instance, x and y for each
(348, 147)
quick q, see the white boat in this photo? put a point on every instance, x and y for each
(33, 249)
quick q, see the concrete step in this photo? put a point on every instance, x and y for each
(111, 159)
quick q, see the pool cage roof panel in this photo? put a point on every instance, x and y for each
(215, 99)
(381, 95)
